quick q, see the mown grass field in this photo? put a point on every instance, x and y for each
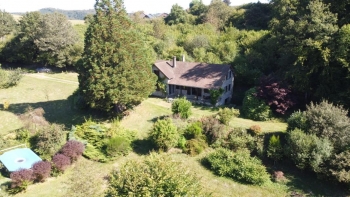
(51, 92)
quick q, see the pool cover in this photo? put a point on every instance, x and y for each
(20, 158)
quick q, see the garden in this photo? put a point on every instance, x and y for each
(211, 151)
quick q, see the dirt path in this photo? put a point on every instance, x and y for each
(40, 76)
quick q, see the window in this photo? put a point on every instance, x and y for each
(177, 87)
(206, 91)
(229, 87)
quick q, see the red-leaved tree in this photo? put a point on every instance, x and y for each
(276, 94)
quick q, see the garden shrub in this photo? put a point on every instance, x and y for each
(297, 120)
(340, 167)
(73, 149)
(95, 154)
(308, 151)
(22, 135)
(275, 150)
(226, 114)
(255, 109)
(154, 175)
(118, 145)
(41, 170)
(195, 146)
(10, 77)
(214, 95)
(329, 121)
(213, 129)
(239, 166)
(20, 180)
(256, 129)
(193, 130)
(164, 134)
(182, 142)
(182, 107)
(239, 138)
(49, 140)
(61, 162)
(33, 120)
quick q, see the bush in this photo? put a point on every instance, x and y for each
(61, 162)
(213, 129)
(118, 145)
(10, 78)
(341, 167)
(41, 170)
(239, 138)
(20, 180)
(329, 121)
(275, 150)
(194, 130)
(164, 134)
(195, 146)
(50, 140)
(182, 107)
(239, 166)
(308, 151)
(256, 129)
(226, 114)
(297, 120)
(155, 175)
(214, 95)
(255, 109)
(73, 149)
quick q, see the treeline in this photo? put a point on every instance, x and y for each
(71, 14)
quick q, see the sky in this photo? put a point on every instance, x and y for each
(149, 6)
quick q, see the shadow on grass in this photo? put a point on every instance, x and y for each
(301, 182)
(60, 112)
(143, 146)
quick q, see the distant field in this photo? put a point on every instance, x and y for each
(74, 22)
(16, 17)
(77, 22)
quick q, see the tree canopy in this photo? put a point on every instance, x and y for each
(116, 71)
(7, 23)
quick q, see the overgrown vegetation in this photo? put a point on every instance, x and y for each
(238, 165)
(154, 175)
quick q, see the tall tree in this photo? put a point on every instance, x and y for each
(55, 35)
(305, 30)
(116, 71)
(177, 15)
(7, 23)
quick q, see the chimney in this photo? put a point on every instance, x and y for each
(174, 61)
(183, 57)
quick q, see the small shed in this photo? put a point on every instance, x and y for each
(20, 158)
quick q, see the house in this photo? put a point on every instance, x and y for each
(193, 80)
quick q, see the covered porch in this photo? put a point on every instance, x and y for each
(193, 94)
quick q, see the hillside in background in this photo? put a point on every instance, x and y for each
(71, 14)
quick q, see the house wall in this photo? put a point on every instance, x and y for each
(159, 93)
(229, 82)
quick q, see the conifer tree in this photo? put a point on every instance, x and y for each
(116, 72)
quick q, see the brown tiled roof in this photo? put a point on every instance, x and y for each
(194, 74)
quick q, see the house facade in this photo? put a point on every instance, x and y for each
(193, 80)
